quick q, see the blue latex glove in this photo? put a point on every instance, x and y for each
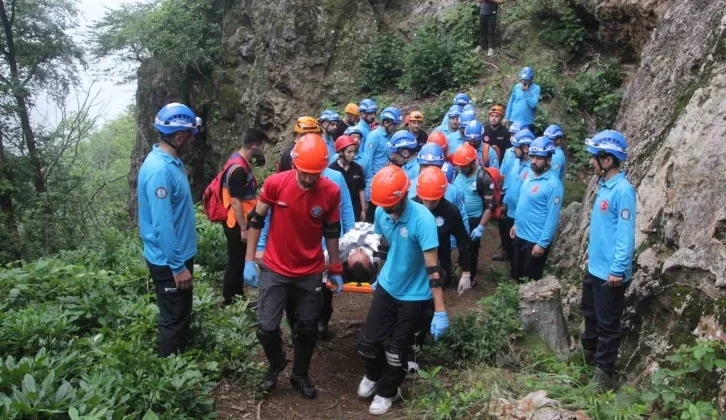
(338, 280)
(250, 274)
(439, 325)
(477, 233)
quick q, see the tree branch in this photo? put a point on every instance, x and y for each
(12, 12)
(105, 183)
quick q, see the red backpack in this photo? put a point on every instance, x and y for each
(212, 199)
(484, 181)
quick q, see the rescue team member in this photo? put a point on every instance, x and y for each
(451, 121)
(402, 152)
(304, 207)
(350, 119)
(559, 163)
(495, 133)
(432, 155)
(517, 173)
(367, 109)
(460, 101)
(361, 157)
(408, 291)
(415, 126)
(609, 256)
(524, 99)
(328, 122)
(478, 198)
(537, 215)
(167, 226)
(354, 175)
(432, 186)
(439, 138)
(239, 195)
(377, 145)
(304, 125)
(486, 156)
(456, 139)
(488, 25)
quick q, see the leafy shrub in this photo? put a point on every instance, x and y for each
(435, 61)
(562, 26)
(211, 244)
(462, 24)
(381, 67)
(596, 92)
(481, 336)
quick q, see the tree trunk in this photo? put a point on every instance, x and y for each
(22, 110)
(6, 205)
(540, 310)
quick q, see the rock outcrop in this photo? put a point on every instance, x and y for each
(674, 115)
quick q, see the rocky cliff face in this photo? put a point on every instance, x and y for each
(674, 116)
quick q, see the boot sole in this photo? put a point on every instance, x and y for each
(299, 391)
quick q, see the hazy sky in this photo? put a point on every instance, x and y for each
(113, 98)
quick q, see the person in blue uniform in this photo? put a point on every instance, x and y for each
(518, 171)
(609, 256)
(402, 153)
(559, 162)
(167, 225)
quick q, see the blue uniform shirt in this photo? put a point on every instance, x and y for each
(166, 211)
(365, 128)
(538, 209)
(403, 275)
(612, 230)
(444, 127)
(330, 142)
(472, 201)
(347, 218)
(411, 169)
(558, 163)
(493, 158)
(454, 141)
(522, 104)
(377, 149)
(518, 173)
(507, 162)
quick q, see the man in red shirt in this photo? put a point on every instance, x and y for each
(304, 205)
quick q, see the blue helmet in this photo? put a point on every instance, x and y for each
(469, 108)
(403, 139)
(554, 132)
(392, 113)
(523, 137)
(368, 105)
(526, 73)
(461, 99)
(176, 117)
(354, 129)
(454, 111)
(473, 132)
(542, 146)
(608, 141)
(431, 154)
(514, 128)
(329, 115)
(467, 117)
(448, 171)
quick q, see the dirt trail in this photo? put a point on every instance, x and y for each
(336, 367)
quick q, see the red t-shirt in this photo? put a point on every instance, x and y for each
(294, 245)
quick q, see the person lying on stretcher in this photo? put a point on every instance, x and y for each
(358, 249)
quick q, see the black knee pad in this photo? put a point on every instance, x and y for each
(307, 332)
(268, 337)
(397, 356)
(368, 350)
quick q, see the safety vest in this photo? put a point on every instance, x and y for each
(249, 201)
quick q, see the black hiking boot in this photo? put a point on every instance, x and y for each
(270, 380)
(500, 256)
(324, 331)
(602, 381)
(303, 386)
(589, 357)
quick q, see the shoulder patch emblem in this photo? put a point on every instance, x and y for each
(557, 166)
(557, 200)
(604, 205)
(536, 188)
(316, 211)
(439, 221)
(625, 214)
(403, 232)
(161, 193)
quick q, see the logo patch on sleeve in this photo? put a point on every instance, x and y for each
(557, 166)
(161, 193)
(557, 200)
(625, 214)
(604, 205)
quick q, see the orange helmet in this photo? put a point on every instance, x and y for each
(310, 154)
(406, 120)
(437, 137)
(307, 125)
(464, 155)
(343, 142)
(497, 109)
(389, 186)
(431, 183)
(416, 116)
(352, 108)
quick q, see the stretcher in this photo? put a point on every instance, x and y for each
(351, 287)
